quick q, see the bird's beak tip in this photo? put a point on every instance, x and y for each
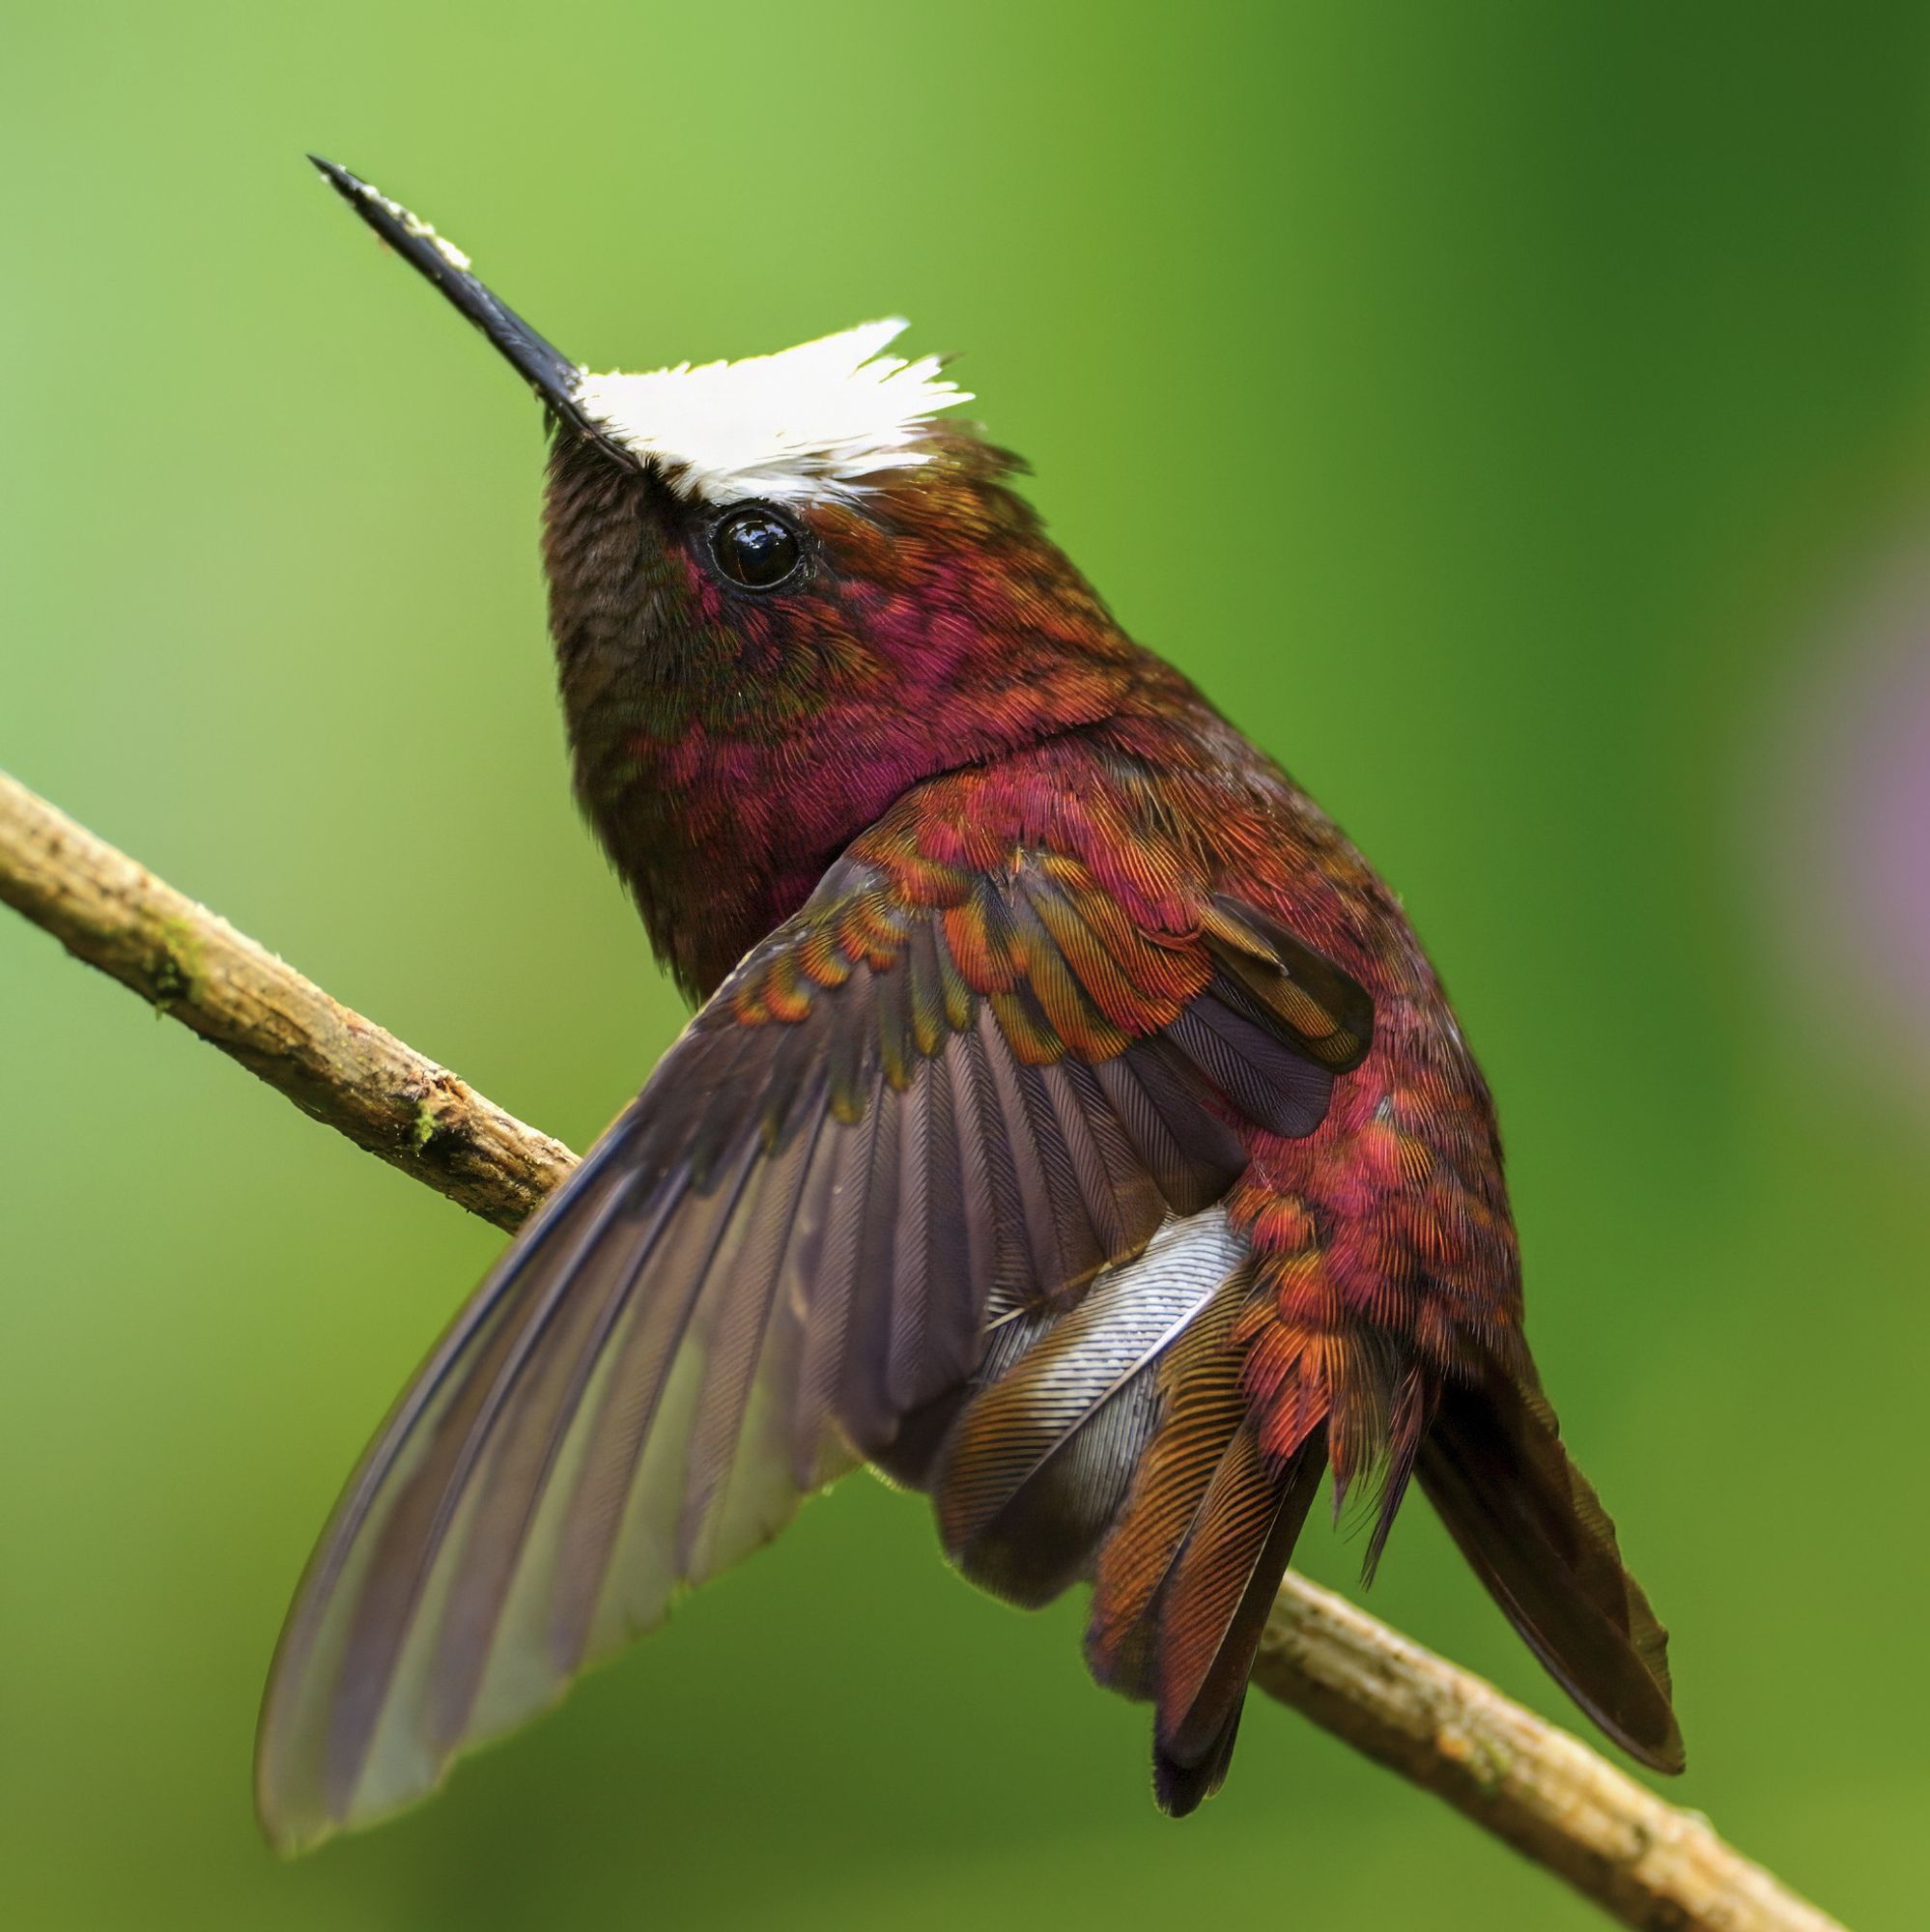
(338, 176)
(551, 373)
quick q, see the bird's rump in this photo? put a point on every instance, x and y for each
(936, 1095)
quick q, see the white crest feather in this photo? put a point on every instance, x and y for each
(810, 422)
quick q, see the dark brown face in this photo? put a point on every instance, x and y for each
(749, 684)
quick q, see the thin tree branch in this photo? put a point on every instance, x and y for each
(336, 1066)
(1650, 1864)
(1546, 1794)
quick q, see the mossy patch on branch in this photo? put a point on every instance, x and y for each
(176, 966)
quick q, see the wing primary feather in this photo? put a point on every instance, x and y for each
(591, 1183)
(1114, 1231)
(762, 1232)
(864, 1403)
(1135, 1193)
(847, 1194)
(1038, 1220)
(680, 1252)
(513, 1487)
(951, 1313)
(1075, 1239)
(959, 1319)
(1009, 1271)
(406, 1546)
(915, 1243)
(1157, 1093)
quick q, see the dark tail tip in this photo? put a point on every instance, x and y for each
(1537, 1536)
(1180, 1789)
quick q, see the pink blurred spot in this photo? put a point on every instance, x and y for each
(1852, 821)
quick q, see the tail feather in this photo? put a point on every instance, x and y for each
(1039, 1463)
(1214, 1607)
(1186, 1579)
(1526, 1517)
(1180, 1789)
(1200, 1413)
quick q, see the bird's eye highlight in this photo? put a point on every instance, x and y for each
(756, 548)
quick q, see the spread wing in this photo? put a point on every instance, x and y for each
(933, 1094)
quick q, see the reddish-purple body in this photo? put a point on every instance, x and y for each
(1072, 1127)
(993, 663)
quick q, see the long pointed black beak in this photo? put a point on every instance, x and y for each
(540, 363)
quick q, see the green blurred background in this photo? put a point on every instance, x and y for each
(1518, 416)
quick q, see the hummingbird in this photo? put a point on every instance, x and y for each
(1070, 1127)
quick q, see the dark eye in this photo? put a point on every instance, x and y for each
(756, 548)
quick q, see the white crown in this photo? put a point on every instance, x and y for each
(808, 423)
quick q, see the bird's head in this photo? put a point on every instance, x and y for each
(782, 590)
